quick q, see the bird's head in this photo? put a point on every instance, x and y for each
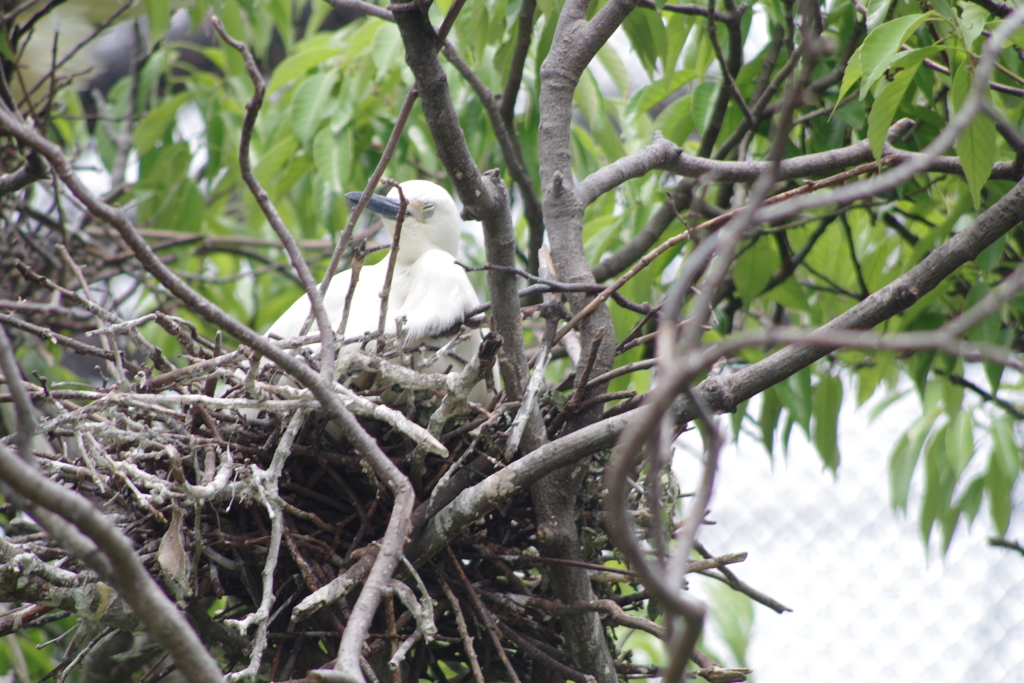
(432, 220)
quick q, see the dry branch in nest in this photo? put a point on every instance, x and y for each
(255, 516)
(262, 524)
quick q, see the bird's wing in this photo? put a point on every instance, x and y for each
(437, 295)
(363, 313)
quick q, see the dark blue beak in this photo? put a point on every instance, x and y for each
(378, 204)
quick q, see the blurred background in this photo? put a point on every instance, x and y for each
(869, 603)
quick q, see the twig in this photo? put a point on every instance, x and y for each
(460, 622)
(385, 293)
(486, 620)
(529, 399)
(112, 555)
(730, 82)
(270, 211)
(712, 224)
(362, 7)
(1006, 543)
(541, 657)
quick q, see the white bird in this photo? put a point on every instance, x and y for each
(429, 289)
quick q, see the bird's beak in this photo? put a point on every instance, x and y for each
(384, 207)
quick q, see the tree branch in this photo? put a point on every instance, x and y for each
(482, 195)
(363, 443)
(114, 557)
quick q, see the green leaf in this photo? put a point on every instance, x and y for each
(988, 328)
(676, 120)
(972, 23)
(704, 96)
(787, 430)
(993, 370)
(905, 455)
(5, 47)
(902, 462)
(850, 76)
(1004, 448)
(938, 483)
(991, 256)
(868, 377)
(386, 48)
(159, 14)
(790, 294)
(646, 33)
(888, 400)
(877, 9)
(970, 500)
(588, 98)
(478, 21)
(650, 95)
(976, 145)
(332, 155)
(961, 86)
(678, 30)
(952, 393)
(999, 487)
(736, 419)
(884, 109)
(771, 408)
(299, 64)
(960, 442)
(308, 106)
(156, 123)
(828, 399)
(612, 63)
(607, 135)
(275, 159)
(754, 269)
(882, 44)
(796, 396)
(733, 614)
(918, 366)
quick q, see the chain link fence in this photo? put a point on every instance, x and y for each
(868, 602)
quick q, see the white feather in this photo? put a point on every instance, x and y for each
(429, 289)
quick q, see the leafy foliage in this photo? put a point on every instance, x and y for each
(333, 99)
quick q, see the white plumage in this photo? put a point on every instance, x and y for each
(428, 288)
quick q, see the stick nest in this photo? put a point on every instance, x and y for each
(195, 470)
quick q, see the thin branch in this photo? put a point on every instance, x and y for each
(460, 622)
(730, 82)
(483, 195)
(998, 87)
(362, 7)
(33, 170)
(691, 10)
(486, 619)
(114, 557)
(1006, 543)
(504, 132)
(986, 396)
(524, 33)
(270, 211)
(385, 293)
(362, 442)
